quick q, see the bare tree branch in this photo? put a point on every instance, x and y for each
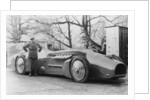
(64, 22)
(76, 20)
(104, 18)
(57, 39)
(61, 31)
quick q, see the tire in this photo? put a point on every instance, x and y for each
(79, 69)
(20, 65)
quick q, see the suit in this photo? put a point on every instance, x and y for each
(33, 48)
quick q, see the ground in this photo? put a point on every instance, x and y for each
(57, 85)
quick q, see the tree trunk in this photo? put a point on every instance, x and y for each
(87, 36)
(89, 25)
(69, 35)
(85, 28)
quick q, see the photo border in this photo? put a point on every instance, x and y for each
(131, 29)
(138, 90)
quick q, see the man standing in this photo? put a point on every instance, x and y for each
(33, 49)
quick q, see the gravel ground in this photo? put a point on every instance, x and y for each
(58, 85)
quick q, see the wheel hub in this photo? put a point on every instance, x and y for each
(77, 71)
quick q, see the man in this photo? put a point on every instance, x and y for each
(33, 49)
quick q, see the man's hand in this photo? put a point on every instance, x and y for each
(25, 47)
(40, 47)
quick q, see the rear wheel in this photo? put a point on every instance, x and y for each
(20, 65)
(79, 69)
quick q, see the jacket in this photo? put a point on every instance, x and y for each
(33, 49)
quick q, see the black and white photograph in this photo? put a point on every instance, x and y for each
(67, 55)
(74, 50)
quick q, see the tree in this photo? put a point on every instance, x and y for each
(16, 27)
(54, 30)
(87, 28)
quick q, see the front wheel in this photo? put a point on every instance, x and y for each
(79, 69)
(20, 65)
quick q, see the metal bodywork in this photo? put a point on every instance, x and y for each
(59, 62)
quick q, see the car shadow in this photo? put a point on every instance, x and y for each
(117, 82)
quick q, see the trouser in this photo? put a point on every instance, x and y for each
(33, 70)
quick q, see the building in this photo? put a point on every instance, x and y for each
(117, 42)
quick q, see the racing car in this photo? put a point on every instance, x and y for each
(79, 65)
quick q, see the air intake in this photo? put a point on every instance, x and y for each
(120, 69)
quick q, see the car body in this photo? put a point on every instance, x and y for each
(76, 64)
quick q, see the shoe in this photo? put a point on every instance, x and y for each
(30, 74)
(35, 74)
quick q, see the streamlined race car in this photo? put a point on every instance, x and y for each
(76, 64)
